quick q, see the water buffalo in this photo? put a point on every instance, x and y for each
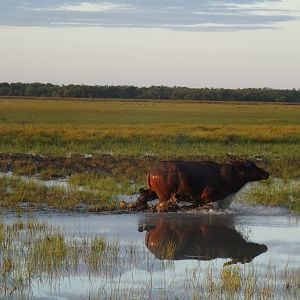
(186, 238)
(201, 182)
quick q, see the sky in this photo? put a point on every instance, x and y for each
(204, 43)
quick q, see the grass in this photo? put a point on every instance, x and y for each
(160, 128)
(275, 193)
(107, 184)
(231, 279)
(35, 253)
(153, 140)
(17, 192)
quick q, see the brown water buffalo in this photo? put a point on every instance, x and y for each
(181, 238)
(201, 182)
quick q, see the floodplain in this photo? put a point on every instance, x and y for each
(66, 165)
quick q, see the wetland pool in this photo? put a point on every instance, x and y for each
(175, 255)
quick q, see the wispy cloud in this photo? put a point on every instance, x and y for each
(85, 7)
(214, 15)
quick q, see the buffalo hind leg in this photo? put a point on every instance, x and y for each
(145, 196)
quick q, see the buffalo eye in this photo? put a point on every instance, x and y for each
(248, 164)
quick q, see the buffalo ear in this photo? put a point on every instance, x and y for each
(227, 170)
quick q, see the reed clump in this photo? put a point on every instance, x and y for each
(98, 247)
(167, 250)
(231, 279)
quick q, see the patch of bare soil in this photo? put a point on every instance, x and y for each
(51, 167)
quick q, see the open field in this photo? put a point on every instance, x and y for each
(163, 128)
(71, 139)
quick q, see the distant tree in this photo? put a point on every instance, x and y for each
(153, 92)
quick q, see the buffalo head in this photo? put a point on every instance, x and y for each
(249, 171)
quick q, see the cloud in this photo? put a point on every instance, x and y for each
(205, 15)
(86, 7)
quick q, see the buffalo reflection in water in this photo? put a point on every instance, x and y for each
(184, 237)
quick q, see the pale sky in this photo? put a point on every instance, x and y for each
(205, 43)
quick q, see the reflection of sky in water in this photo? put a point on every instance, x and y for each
(205, 15)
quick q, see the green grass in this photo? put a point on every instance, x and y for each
(34, 195)
(275, 193)
(107, 185)
(161, 128)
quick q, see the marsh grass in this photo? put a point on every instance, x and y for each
(107, 185)
(98, 247)
(275, 192)
(231, 279)
(167, 250)
(31, 194)
(31, 250)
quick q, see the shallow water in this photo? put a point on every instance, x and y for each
(246, 236)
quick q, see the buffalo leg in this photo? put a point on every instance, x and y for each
(145, 196)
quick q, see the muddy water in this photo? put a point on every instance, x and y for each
(246, 236)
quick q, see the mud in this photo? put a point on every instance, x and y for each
(172, 205)
(52, 167)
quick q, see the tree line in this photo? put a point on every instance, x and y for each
(152, 92)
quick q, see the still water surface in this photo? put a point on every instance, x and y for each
(246, 236)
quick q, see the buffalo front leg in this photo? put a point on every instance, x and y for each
(168, 204)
